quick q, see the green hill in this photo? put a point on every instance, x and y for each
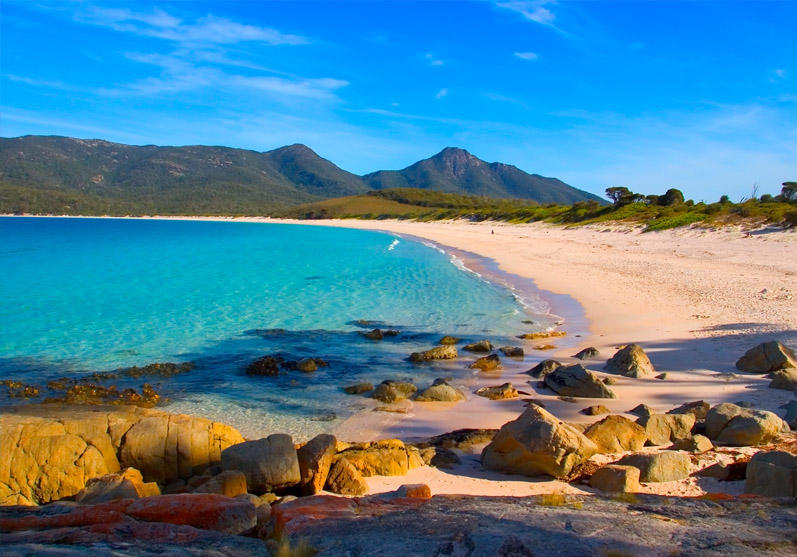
(50, 174)
(457, 171)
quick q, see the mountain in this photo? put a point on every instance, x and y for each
(51, 174)
(455, 170)
(317, 176)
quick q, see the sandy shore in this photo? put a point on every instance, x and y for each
(695, 299)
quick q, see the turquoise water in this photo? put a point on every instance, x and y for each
(86, 295)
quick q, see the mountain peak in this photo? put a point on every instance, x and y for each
(454, 153)
(295, 149)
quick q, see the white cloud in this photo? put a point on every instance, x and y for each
(433, 60)
(179, 74)
(202, 31)
(441, 93)
(780, 73)
(532, 10)
(527, 55)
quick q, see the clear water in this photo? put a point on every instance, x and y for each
(86, 295)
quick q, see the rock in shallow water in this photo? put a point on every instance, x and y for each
(445, 352)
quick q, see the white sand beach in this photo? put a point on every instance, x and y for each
(695, 299)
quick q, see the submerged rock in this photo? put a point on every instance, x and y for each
(630, 361)
(542, 334)
(358, 388)
(537, 443)
(766, 357)
(577, 381)
(448, 340)
(267, 366)
(165, 369)
(445, 352)
(512, 351)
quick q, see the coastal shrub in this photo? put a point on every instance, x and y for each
(674, 221)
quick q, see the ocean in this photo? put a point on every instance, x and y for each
(84, 295)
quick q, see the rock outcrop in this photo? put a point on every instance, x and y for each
(345, 479)
(662, 429)
(730, 424)
(126, 484)
(587, 353)
(393, 391)
(614, 478)
(537, 443)
(785, 379)
(444, 352)
(389, 457)
(50, 452)
(315, 460)
(616, 434)
(630, 361)
(772, 473)
(269, 464)
(666, 466)
(498, 392)
(487, 363)
(544, 368)
(479, 346)
(766, 357)
(441, 391)
(512, 351)
(577, 381)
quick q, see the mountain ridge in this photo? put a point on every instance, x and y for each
(58, 174)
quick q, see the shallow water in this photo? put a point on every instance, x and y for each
(85, 295)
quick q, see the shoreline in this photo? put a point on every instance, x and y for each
(696, 300)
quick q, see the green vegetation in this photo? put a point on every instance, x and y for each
(655, 212)
(63, 175)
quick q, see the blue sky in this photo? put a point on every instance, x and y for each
(648, 95)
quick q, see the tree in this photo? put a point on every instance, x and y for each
(620, 196)
(671, 197)
(789, 191)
